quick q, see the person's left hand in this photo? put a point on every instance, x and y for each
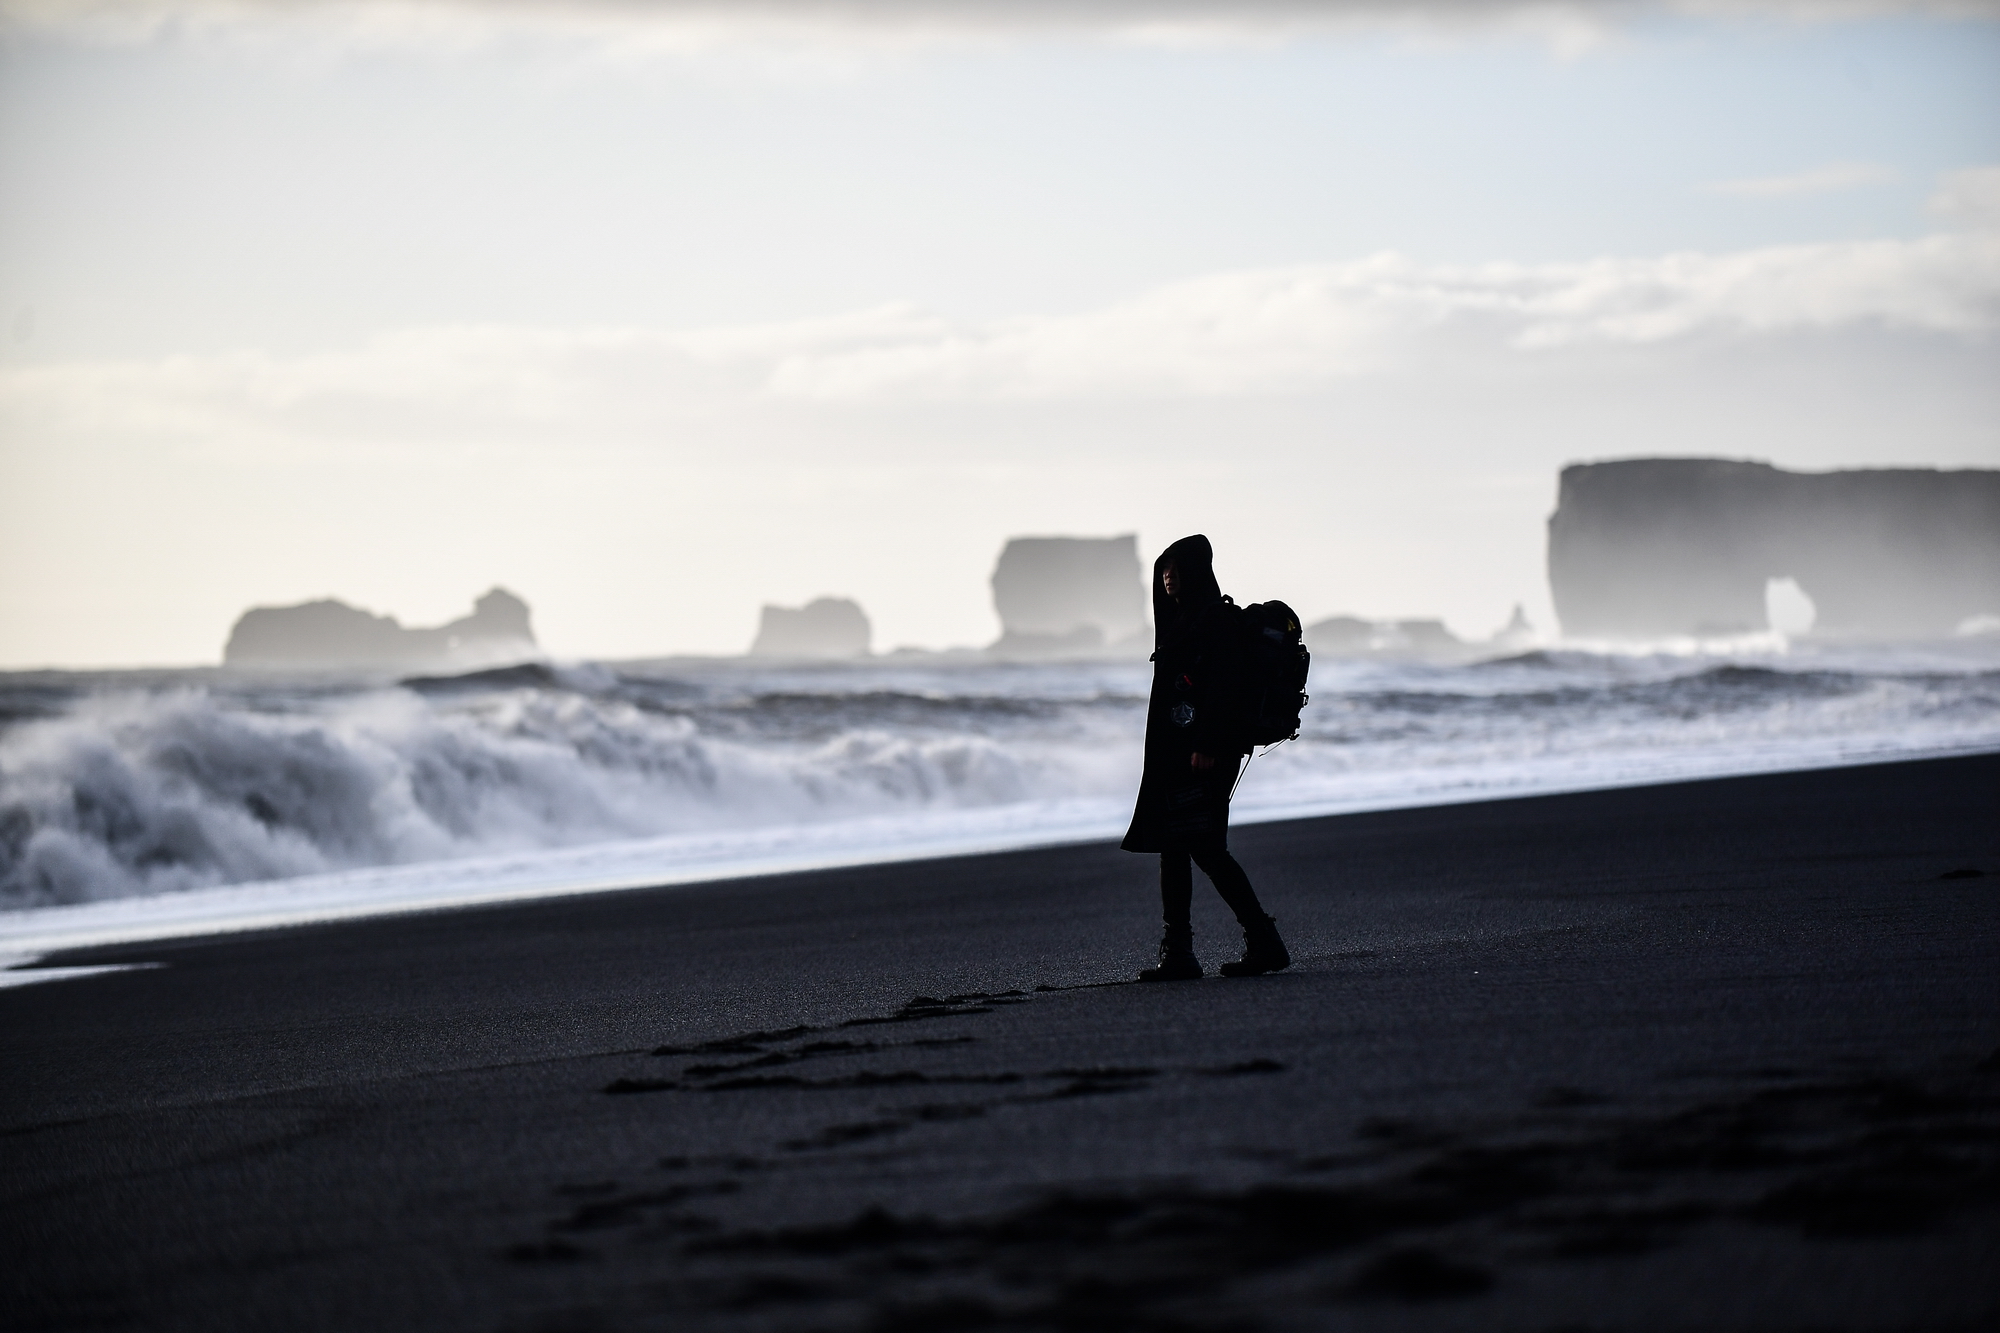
(1201, 761)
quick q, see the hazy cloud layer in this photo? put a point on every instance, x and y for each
(1829, 179)
(1289, 328)
(1969, 199)
(1252, 332)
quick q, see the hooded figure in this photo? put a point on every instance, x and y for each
(1192, 759)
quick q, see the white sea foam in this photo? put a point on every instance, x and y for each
(140, 806)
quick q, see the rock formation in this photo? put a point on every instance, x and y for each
(824, 627)
(329, 633)
(1350, 636)
(1517, 635)
(1070, 597)
(1677, 546)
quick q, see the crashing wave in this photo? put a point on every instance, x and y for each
(127, 784)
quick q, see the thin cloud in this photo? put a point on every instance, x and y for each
(1830, 179)
(1969, 199)
(1266, 331)
(696, 25)
(1280, 330)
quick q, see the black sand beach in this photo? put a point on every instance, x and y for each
(1719, 1055)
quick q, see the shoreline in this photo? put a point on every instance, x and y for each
(29, 935)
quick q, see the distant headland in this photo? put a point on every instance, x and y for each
(1652, 547)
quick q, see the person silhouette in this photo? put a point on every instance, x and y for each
(1192, 760)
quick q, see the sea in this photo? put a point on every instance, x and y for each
(141, 805)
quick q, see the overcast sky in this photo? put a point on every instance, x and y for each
(655, 313)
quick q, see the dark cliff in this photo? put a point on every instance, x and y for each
(1669, 546)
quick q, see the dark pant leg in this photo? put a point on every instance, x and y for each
(1176, 887)
(1230, 881)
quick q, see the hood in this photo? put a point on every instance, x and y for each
(1196, 561)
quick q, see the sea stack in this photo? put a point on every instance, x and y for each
(1070, 596)
(826, 627)
(331, 634)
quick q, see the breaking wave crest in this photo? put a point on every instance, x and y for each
(138, 792)
(121, 784)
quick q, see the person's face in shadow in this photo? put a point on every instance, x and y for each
(1170, 580)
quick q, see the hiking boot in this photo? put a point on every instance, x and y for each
(1263, 951)
(1177, 960)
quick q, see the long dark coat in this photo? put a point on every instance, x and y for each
(1181, 808)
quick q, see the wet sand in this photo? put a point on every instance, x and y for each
(1715, 1055)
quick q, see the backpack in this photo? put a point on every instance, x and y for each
(1270, 692)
